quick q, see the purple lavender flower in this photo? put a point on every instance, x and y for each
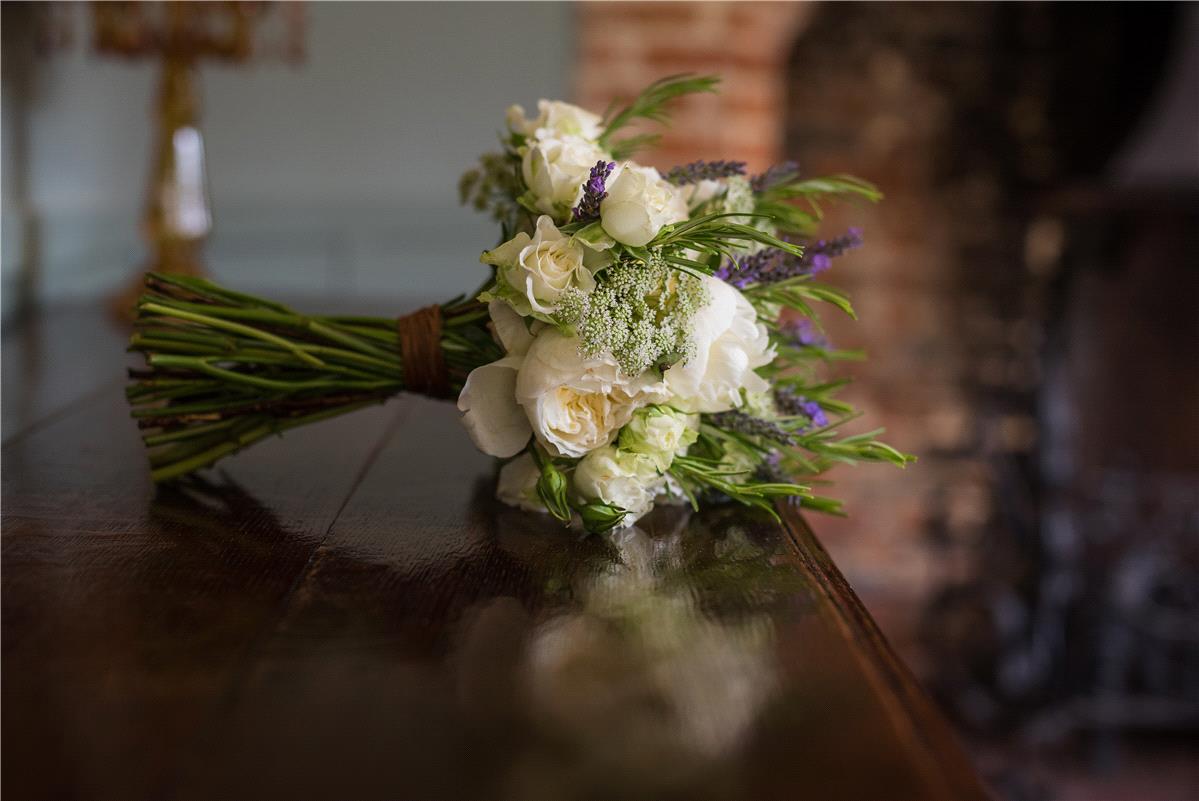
(698, 171)
(778, 174)
(743, 423)
(770, 265)
(802, 334)
(771, 469)
(594, 191)
(793, 404)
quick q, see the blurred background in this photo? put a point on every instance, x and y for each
(1028, 292)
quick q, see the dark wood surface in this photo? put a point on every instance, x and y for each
(346, 613)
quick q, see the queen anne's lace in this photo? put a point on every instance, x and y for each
(639, 313)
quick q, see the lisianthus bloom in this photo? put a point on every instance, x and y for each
(555, 169)
(622, 478)
(555, 118)
(660, 432)
(535, 271)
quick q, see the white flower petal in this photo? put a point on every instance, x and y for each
(496, 423)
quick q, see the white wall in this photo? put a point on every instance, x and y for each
(337, 176)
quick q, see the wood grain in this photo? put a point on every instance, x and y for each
(347, 613)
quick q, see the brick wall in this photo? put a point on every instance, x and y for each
(890, 93)
(624, 46)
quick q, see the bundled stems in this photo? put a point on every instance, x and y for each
(225, 370)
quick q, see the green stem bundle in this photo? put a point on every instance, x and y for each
(225, 370)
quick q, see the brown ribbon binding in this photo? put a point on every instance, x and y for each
(420, 348)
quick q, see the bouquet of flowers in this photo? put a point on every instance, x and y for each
(641, 337)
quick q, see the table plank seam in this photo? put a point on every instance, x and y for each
(243, 664)
(61, 413)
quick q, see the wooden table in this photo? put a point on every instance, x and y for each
(346, 613)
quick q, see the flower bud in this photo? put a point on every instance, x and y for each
(600, 517)
(551, 488)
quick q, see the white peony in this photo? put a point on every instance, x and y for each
(555, 118)
(545, 387)
(622, 478)
(576, 404)
(730, 344)
(660, 433)
(555, 170)
(540, 268)
(638, 204)
(517, 484)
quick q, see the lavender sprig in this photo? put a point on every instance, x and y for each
(771, 265)
(743, 423)
(775, 175)
(802, 334)
(698, 171)
(793, 404)
(594, 191)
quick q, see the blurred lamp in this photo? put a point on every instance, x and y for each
(178, 213)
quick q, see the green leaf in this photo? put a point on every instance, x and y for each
(651, 103)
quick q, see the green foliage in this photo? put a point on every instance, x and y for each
(794, 203)
(695, 472)
(651, 104)
(715, 235)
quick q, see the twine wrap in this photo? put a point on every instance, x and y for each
(420, 348)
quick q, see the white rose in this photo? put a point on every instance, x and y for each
(576, 404)
(730, 344)
(622, 478)
(660, 433)
(541, 267)
(555, 170)
(638, 204)
(496, 424)
(517, 484)
(555, 118)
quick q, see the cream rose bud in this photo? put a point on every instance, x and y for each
(623, 478)
(555, 118)
(638, 204)
(540, 268)
(730, 344)
(555, 170)
(660, 432)
(576, 404)
(517, 485)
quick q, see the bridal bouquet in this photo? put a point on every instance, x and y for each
(641, 337)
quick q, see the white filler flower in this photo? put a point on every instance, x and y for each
(638, 204)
